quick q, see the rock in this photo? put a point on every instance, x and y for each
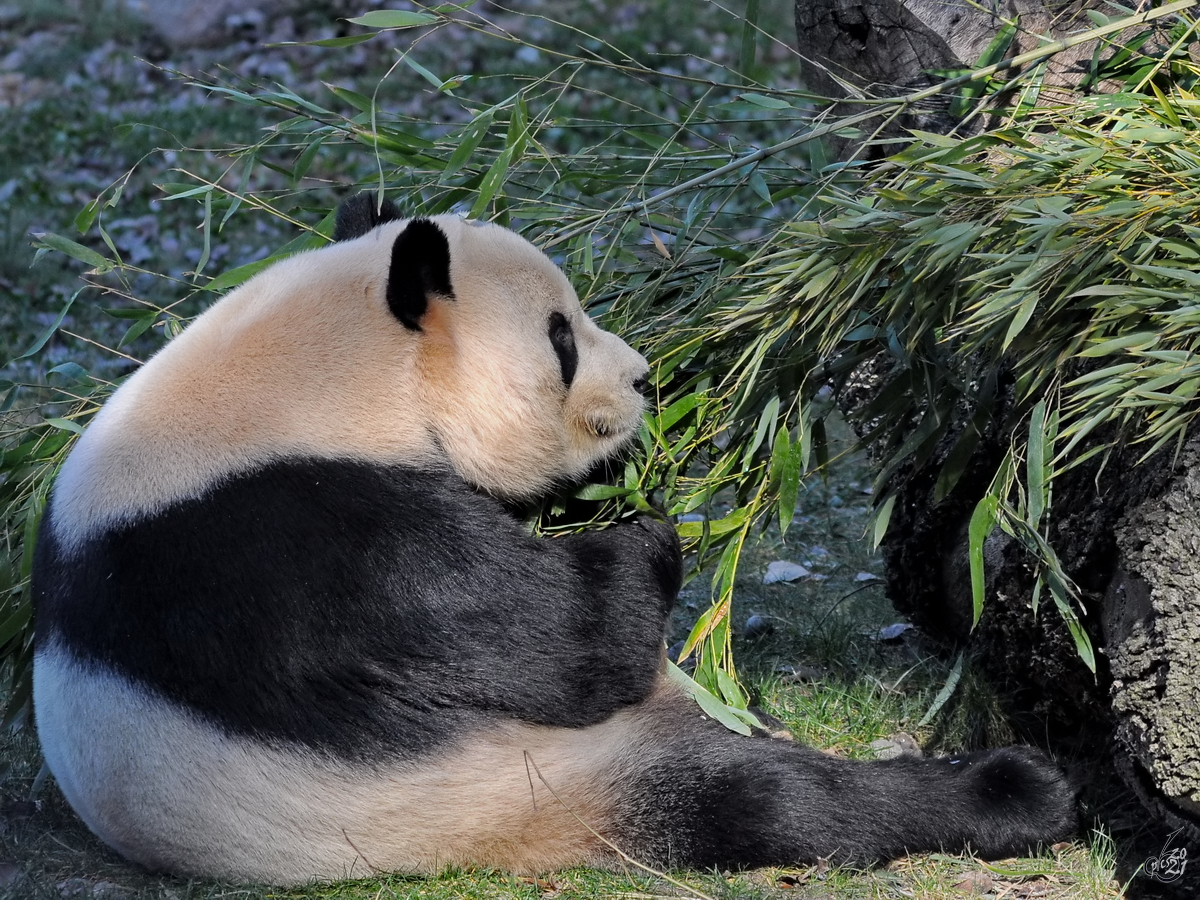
(757, 626)
(975, 883)
(892, 632)
(801, 673)
(782, 570)
(106, 890)
(74, 888)
(899, 744)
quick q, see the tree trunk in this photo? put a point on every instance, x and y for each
(1129, 535)
(882, 46)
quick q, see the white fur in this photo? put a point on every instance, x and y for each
(174, 793)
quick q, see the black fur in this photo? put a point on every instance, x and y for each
(563, 340)
(714, 799)
(361, 214)
(420, 267)
(365, 611)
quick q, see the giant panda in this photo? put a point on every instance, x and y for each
(289, 628)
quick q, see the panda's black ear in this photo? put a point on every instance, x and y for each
(361, 214)
(420, 267)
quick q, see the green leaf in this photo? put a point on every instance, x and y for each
(76, 251)
(361, 102)
(983, 521)
(766, 424)
(882, 518)
(468, 143)
(71, 371)
(736, 720)
(787, 461)
(1035, 464)
(960, 454)
(137, 329)
(86, 216)
(7, 402)
(65, 425)
(393, 18)
(45, 336)
(1024, 314)
(731, 692)
(749, 48)
(1142, 340)
(16, 622)
(944, 694)
(676, 411)
(423, 72)
(731, 522)
(491, 184)
(206, 250)
(1083, 643)
(961, 104)
(766, 102)
(601, 492)
(236, 276)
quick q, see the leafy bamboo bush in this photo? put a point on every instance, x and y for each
(695, 208)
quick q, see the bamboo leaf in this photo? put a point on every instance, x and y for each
(45, 336)
(52, 241)
(393, 18)
(1035, 463)
(944, 695)
(882, 518)
(983, 521)
(733, 719)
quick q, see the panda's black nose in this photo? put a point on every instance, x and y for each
(641, 384)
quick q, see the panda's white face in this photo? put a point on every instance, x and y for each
(522, 387)
(508, 380)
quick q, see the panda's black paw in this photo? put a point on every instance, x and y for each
(1028, 799)
(658, 543)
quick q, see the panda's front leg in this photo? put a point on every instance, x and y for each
(614, 612)
(647, 562)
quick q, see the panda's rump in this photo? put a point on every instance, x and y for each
(175, 793)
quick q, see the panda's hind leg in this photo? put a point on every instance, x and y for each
(701, 797)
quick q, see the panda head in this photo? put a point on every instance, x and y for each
(519, 387)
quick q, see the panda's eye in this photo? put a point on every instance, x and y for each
(563, 340)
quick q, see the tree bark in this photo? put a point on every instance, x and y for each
(882, 46)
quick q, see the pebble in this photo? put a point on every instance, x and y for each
(897, 745)
(782, 570)
(758, 626)
(892, 632)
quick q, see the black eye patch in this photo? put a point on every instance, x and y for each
(563, 339)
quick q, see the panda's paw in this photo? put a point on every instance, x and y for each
(1025, 789)
(660, 533)
(660, 547)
